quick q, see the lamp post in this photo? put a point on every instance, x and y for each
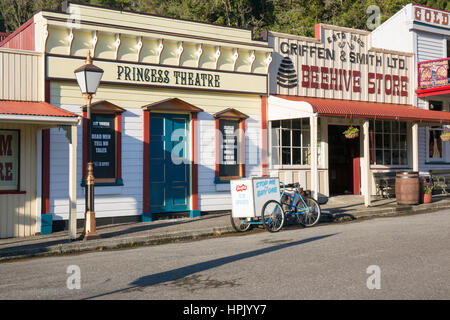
(88, 78)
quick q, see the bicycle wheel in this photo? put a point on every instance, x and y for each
(272, 216)
(239, 224)
(311, 214)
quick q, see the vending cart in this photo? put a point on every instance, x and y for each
(255, 201)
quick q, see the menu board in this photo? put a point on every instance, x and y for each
(9, 159)
(229, 164)
(103, 137)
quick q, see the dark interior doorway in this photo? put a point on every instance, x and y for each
(343, 161)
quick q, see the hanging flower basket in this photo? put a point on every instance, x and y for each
(351, 132)
(445, 136)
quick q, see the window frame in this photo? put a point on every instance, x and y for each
(230, 114)
(105, 107)
(291, 147)
(442, 159)
(17, 189)
(373, 144)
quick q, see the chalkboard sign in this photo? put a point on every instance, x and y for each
(229, 162)
(103, 145)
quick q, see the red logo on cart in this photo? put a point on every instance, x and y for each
(242, 187)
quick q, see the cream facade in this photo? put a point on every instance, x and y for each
(425, 32)
(21, 125)
(159, 73)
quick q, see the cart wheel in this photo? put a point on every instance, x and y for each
(272, 216)
(239, 224)
(311, 216)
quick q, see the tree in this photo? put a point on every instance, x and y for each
(288, 16)
(15, 12)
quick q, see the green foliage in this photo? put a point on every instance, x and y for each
(289, 16)
(351, 130)
(426, 187)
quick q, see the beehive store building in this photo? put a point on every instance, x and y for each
(321, 86)
(176, 116)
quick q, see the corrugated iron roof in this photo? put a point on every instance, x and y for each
(370, 110)
(33, 109)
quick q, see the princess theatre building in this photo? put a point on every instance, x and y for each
(184, 107)
(176, 116)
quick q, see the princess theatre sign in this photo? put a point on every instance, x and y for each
(339, 64)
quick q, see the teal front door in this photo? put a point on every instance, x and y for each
(169, 162)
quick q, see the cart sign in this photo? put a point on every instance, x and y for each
(249, 195)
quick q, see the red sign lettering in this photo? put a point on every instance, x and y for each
(6, 171)
(241, 187)
(431, 16)
(5, 145)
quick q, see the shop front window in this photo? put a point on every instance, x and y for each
(291, 142)
(435, 143)
(434, 135)
(388, 142)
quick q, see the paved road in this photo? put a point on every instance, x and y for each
(323, 262)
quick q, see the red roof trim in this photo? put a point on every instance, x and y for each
(370, 110)
(433, 91)
(33, 109)
(420, 5)
(17, 31)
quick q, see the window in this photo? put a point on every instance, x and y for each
(104, 146)
(434, 135)
(230, 145)
(291, 142)
(106, 139)
(9, 160)
(388, 142)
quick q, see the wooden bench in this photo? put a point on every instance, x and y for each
(385, 183)
(441, 180)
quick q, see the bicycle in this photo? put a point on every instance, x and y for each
(306, 210)
(273, 216)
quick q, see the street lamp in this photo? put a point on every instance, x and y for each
(88, 78)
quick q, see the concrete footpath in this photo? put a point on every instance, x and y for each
(128, 235)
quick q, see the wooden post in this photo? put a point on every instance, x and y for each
(73, 183)
(415, 146)
(366, 159)
(314, 169)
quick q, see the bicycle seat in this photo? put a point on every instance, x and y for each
(292, 185)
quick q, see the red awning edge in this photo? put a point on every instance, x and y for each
(370, 110)
(28, 108)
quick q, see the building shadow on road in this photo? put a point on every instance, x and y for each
(175, 274)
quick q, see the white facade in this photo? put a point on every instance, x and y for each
(426, 33)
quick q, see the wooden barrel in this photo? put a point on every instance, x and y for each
(407, 187)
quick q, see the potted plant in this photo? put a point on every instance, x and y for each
(351, 132)
(426, 189)
(445, 136)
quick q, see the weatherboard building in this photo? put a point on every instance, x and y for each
(320, 87)
(184, 107)
(177, 114)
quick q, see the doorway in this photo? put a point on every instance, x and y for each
(169, 172)
(343, 162)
